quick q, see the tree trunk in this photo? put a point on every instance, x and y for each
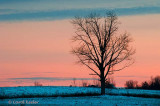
(102, 83)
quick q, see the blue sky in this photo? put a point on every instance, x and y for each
(17, 10)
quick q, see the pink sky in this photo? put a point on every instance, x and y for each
(42, 49)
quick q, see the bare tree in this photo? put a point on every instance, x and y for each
(145, 85)
(99, 47)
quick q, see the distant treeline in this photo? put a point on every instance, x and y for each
(153, 84)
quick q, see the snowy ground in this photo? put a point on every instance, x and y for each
(51, 91)
(46, 91)
(86, 101)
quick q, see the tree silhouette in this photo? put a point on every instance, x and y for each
(131, 84)
(145, 85)
(99, 47)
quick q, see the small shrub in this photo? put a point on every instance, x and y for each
(84, 83)
(110, 83)
(131, 84)
(96, 83)
(145, 85)
(94, 86)
(74, 82)
(155, 83)
(37, 84)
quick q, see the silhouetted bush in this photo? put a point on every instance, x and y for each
(84, 83)
(96, 83)
(74, 82)
(131, 84)
(153, 84)
(145, 85)
(110, 83)
(37, 84)
(94, 86)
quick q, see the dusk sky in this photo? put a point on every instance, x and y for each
(35, 40)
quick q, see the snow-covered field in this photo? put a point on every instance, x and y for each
(13, 92)
(106, 100)
(44, 91)
(58, 91)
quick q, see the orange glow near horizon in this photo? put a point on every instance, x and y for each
(42, 49)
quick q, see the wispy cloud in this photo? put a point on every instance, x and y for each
(64, 14)
(51, 78)
(19, 10)
(134, 76)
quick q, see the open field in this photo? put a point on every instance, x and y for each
(77, 96)
(54, 91)
(106, 100)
